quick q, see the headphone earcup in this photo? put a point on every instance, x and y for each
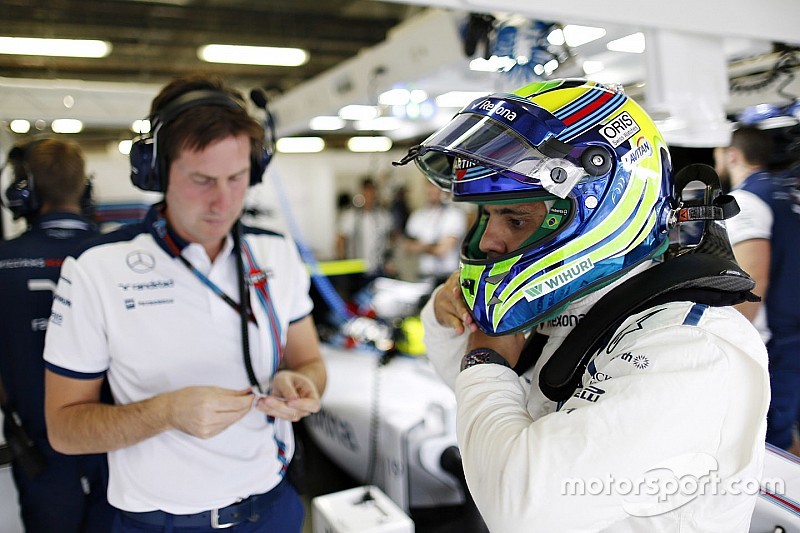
(258, 165)
(21, 200)
(144, 174)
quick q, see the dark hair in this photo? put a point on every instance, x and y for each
(199, 126)
(58, 169)
(756, 145)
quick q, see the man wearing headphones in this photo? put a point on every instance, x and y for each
(202, 327)
(56, 492)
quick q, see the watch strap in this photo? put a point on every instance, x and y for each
(480, 356)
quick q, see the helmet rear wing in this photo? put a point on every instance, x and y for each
(695, 221)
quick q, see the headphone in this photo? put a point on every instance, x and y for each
(149, 170)
(21, 197)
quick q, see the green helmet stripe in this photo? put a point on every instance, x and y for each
(627, 205)
(634, 233)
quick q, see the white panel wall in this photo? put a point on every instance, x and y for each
(310, 182)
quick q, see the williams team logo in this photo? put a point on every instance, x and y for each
(140, 262)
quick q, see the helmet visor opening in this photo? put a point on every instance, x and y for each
(475, 139)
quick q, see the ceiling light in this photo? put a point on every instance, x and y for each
(359, 112)
(29, 46)
(141, 126)
(550, 66)
(633, 44)
(300, 145)
(66, 125)
(575, 35)
(493, 64)
(326, 123)
(458, 98)
(252, 55)
(418, 96)
(395, 97)
(20, 126)
(378, 124)
(124, 147)
(369, 144)
(556, 37)
(592, 67)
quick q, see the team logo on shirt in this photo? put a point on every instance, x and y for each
(140, 261)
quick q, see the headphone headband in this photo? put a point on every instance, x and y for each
(148, 167)
(190, 99)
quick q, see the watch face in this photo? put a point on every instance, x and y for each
(479, 357)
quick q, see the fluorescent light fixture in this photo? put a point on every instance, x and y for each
(378, 124)
(418, 96)
(326, 123)
(141, 126)
(592, 67)
(124, 147)
(395, 97)
(359, 112)
(369, 144)
(66, 125)
(458, 98)
(20, 126)
(493, 64)
(300, 145)
(30, 46)
(575, 35)
(252, 55)
(633, 44)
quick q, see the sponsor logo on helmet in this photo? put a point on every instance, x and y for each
(632, 158)
(548, 285)
(491, 108)
(620, 129)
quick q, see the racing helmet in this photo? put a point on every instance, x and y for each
(592, 155)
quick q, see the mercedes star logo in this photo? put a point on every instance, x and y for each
(140, 261)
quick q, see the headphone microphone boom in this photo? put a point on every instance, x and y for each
(259, 98)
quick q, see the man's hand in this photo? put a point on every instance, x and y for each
(204, 412)
(449, 307)
(509, 346)
(293, 397)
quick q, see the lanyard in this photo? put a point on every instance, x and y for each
(254, 277)
(169, 244)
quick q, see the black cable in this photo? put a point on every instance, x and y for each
(374, 422)
(244, 305)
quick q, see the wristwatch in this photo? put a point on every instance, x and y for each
(481, 356)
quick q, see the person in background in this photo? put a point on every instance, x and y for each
(595, 363)
(434, 233)
(764, 237)
(202, 327)
(57, 492)
(364, 231)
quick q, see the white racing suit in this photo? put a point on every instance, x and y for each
(666, 432)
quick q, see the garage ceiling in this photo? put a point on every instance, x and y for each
(154, 41)
(157, 40)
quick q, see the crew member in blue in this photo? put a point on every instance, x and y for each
(764, 238)
(56, 492)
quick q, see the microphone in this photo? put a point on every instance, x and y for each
(259, 98)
